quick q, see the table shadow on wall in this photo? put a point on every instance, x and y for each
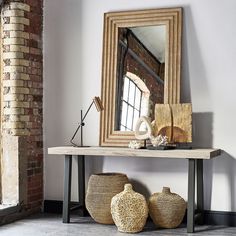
(224, 165)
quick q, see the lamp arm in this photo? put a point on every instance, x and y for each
(76, 132)
(87, 112)
(81, 123)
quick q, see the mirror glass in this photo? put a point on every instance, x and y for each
(141, 54)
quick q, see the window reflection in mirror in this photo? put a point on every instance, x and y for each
(134, 101)
(140, 74)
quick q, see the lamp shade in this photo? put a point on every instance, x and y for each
(98, 103)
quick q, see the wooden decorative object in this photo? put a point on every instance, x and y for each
(167, 209)
(129, 210)
(101, 188)
(172, 19)
(174, 121)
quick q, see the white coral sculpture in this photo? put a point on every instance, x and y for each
(159, 140)
(134, 144)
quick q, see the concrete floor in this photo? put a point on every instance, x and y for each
(51, 225)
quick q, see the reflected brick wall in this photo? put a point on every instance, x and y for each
(131, 65)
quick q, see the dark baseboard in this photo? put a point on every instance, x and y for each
(220, 218)
(210, 217)
(52, 206)
(55, 207)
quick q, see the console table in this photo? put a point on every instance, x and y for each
(195, 159)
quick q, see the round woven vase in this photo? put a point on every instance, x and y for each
(101, 188)
(167, 209)
(129, 210)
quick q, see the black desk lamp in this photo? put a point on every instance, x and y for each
(99, 107)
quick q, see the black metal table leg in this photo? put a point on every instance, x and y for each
(200, 195)
(81, 183)
(191, 196)
(67, 189)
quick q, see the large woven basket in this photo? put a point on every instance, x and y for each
(167, 209)
(101, 188)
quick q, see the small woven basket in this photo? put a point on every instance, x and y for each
(101, 188)
(167, 209)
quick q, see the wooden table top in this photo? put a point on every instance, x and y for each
(199, 153)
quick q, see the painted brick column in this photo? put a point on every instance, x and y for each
(22, 103)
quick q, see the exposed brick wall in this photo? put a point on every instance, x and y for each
(23, 93)
(131, 65)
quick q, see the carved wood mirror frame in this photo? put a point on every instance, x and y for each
(172, 19)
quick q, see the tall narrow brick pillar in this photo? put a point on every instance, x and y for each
(22, 159)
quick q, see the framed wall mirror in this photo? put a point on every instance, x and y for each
(141, 67)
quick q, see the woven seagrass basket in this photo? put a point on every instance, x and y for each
(101, 188)
(167, 209)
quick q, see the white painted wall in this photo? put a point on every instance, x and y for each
(73, 33)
